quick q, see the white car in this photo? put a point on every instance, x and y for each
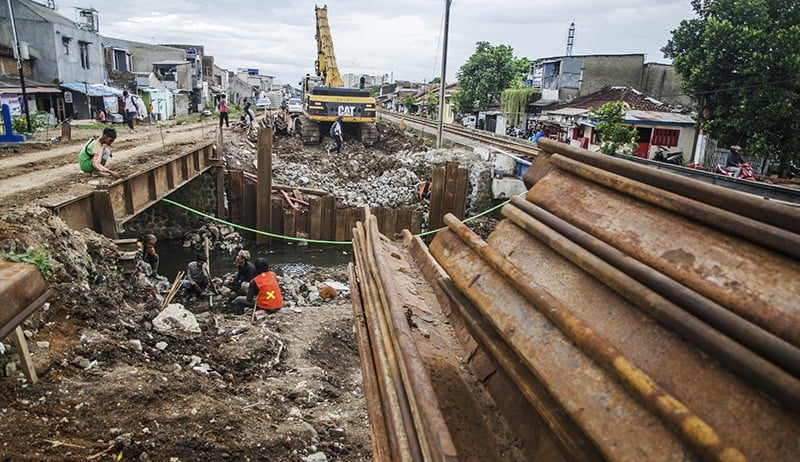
(295, 105)
(263, 103)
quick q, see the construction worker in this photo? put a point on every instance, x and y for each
(263, 295)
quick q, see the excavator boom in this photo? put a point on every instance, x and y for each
(326, 58)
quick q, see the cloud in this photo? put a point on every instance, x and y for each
(403, 39)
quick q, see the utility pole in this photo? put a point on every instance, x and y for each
(18, 55)
(444, 70)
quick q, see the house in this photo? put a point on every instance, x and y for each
(564, 78)
(431, 92)
(60, 50)
(656, 123)
(40, 95)
(249, 84)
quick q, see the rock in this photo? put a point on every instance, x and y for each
(11, 368)
(80, 361)
(161, 346)
(316, 457)
(176, 317)
(327, 292)
(336, 432)
(136, 345)
(43, 344)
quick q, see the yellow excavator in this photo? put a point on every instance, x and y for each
(325, 98)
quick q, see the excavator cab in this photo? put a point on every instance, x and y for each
(325, 98)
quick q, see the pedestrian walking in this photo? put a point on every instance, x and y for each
(130, 109)
(336, 133)
(223, 111)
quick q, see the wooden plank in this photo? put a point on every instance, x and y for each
(24, 354)
(315, 210)
(390, 223)
(328, 217)
(460, 199)
(379, 213)
(451, 175)
(277, 215)
(302, 223)
(403, 219)
(416, 222)
(264, 206)
(236, 194)
(249, 209)
(437, 199)
(289, 225)
(340, 224)
(220, 174)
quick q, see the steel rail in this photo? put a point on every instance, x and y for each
(680, 418)
(395, 405)
(759, 208)
(602, 261)
(772, 237)
(429, 425)
(569, 436)
(381, 449)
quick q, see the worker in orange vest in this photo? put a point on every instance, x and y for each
(263, 295)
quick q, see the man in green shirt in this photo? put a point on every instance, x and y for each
(95, 154)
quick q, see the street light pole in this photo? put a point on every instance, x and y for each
(444, 70)
(19, 65)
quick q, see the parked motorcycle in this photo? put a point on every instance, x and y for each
(663, 155)
(744, 172)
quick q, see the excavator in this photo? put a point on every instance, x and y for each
(325, 98)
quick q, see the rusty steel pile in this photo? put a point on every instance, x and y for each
(617, 313)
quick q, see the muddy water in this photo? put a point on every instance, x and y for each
(284, 259)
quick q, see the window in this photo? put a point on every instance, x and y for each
(84, 47)
(65, 41)
(122, 60)
(665, 137)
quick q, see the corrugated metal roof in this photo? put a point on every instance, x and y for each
(658, 117)
(633, 99)
(92, 89)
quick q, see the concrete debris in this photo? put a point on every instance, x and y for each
(176, 318)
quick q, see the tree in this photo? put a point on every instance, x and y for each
(514, 102)
(740, 60)
(615, 138)
(489, 71)
(408, 102)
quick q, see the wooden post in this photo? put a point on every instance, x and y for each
(460, 199)
(315, 217)
(236, 196)
(264, 196)
(437, 199)
(18, 337)
(328, 217)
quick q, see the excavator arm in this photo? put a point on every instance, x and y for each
(326, 58)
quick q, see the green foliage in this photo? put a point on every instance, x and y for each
(38, 257)
(432, 100)
(489, 71)
(436, 80)
(514, 101)
(740, 60)
(409, 101)
(615, 138)
(91, 126)
(19, 123)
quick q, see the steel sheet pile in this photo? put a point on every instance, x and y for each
(625, 313)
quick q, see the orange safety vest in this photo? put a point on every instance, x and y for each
(269, 294)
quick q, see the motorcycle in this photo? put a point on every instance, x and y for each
(663, 155)
(743, 172)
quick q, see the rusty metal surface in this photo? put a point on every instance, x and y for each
(756, 207)
(638, 318)
(635, 282)
(758, 284)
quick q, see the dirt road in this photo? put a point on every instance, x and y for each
(43, 172)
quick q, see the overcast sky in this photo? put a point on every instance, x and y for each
(400, 38)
